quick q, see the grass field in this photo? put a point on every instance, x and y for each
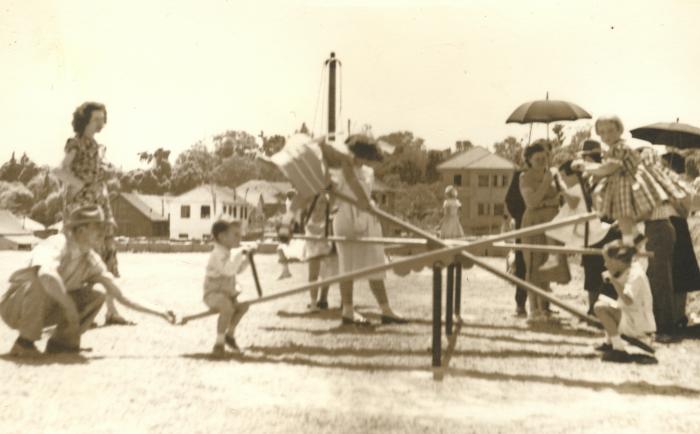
(304, 373)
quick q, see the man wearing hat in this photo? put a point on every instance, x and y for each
(56, 288)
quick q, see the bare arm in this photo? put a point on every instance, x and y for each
(64, 172)
(355, 186)
(113, 290)
(603, 169)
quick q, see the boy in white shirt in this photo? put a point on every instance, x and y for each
(631, 314)
(220, 292)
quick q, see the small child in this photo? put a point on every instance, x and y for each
(220, 293)
(629, 190)
(450, 227)
(632, 313)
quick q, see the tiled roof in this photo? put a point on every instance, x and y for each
(476, 158)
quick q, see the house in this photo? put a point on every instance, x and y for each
(13, 235)
(272, 194)
(192, 213)
(141, 215)
(482, 179)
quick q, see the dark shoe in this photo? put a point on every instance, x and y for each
(218, 350)
(55, 347)
(323, 305)
(117, 320)
(665, 338)
(24, 348)
(604, 347)
(231, 343)
(393, 319)
(617, 356)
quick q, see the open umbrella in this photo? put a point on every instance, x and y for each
(546, 111)
(676, 134)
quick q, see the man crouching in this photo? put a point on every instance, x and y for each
(56, 288)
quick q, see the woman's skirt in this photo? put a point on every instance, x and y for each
(534, 260)
(355, 256)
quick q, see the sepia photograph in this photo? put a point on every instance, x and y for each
(349, 216)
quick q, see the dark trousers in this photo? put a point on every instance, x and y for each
(661, 238)
(521, 272)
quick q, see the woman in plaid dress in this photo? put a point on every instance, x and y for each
(85, 183)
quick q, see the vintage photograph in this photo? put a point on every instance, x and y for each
(349, 216)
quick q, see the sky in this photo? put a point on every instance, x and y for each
(174, 72)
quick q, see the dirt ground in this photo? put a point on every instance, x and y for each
(304, 373)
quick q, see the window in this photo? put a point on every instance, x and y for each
(498, 209)
(185, 211)
(245, 211)
(457, 180)
(483, 209)
(182, 236)
(205, 212)
(495, 180)
(235, 212)
(384, 199)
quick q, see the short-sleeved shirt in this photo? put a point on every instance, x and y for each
(76, 268)
(222, 268)
(638, 317)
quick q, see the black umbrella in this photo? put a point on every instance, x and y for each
(676, 134)
(547, 111)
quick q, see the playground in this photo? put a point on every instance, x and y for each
(303, 372)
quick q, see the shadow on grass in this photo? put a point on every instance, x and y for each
(53, 359)
(345, 330)
(690, 332)
(549, 328)
(628, 387)
(375, 352)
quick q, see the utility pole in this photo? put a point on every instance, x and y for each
(332, 63)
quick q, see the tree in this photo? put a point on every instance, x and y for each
(510, 149)
(559, 137)
(409, 159)
(579, 137)
(435, 157)
(9, 172)
(16, 197)
(193, 167)
(234, 142)
(463, 145)
(48, 210)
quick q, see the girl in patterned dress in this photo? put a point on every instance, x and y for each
(450, 226)
(629, 189)
(84, 183)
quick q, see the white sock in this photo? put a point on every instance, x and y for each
(219, 338)
(617, 343)
(628, 239)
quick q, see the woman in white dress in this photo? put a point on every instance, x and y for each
(354, 178)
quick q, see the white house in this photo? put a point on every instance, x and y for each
(193, 213)
(13, 233)
(272, 194)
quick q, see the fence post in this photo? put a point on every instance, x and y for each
(437, 314)
(449, 298)
(458, 291)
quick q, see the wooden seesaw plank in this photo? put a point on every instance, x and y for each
(545, 248)
(412, 261)
(426, 259)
